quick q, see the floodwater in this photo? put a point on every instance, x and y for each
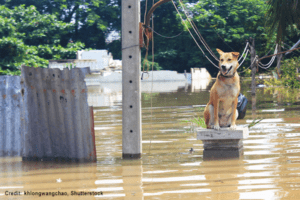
(268, 169)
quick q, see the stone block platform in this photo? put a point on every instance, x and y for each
(223, 143)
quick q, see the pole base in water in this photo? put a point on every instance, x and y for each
(131, 156)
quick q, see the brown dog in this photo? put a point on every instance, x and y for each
(221, 108)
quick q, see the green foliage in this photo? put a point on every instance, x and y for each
(254, 122)
(223, 24)
(12, 52)
(90, 20)
(273, 82)
(30, 38)
(147, 65)
(281, 15)
(283, 94)
(235, 21)
(70, 66)
(198, 121)
(289, 77)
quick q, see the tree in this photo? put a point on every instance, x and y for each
(92, 19)
(28, 37)
(281, 15)
(228, 24)
(223, 24)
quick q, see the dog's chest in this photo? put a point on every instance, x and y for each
(228, 91)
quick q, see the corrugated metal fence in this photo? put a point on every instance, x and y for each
(56, 117)
(10, 116)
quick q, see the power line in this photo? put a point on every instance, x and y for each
(169, 37)
(244, 51)
(198, 33)
(193, 36)
(266, 66)
(193, 25)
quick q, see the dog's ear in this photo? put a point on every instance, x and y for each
(220, 51)
(235, 54)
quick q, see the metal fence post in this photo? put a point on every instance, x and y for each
(131, 68)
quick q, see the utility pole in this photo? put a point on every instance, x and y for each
(253, 71)
(131, 81)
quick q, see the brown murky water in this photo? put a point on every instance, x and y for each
(269, 168)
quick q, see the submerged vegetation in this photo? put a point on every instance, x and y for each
(290, 76)
(198, 121)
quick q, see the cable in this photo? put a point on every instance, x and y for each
(268, 65)
(259, 64)
(193, 36)
(244, 51)
(169, 37)
(130, 46)
(146, 5)
(202, 39)
(294, 52)
(244, 57)
(249, 65)
(218, 34)
(198, 33)
(272, 59)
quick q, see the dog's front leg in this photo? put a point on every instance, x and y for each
(216, 114)
(233, 117)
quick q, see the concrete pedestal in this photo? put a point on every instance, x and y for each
(223, 143)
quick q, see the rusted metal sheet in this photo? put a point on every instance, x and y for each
(57, 115)
(10, 116)
(92, 124)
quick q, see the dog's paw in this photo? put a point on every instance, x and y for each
(217, 127)
(232, 127)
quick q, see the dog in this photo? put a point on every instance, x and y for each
(221, 109)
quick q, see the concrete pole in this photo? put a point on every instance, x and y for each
(253, 71)
(131, 81)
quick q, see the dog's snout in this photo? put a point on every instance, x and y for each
(223, 67)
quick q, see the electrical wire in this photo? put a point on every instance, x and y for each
(193, 36)
(255, 59)
(169, 37)
(244, 51)
(198, 33)
(244, 57)
(193, 25)
(268, 65)
(219, 35)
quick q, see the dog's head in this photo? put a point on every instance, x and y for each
(228, 62)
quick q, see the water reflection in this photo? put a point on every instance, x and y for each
(110, 94)
(269, 169)
(200, 84)
(219, 154)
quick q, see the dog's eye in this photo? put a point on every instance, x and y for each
(229, 59)
(222, 60)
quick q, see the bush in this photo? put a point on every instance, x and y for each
(147, 66)
(288, 74)
(30, 38)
